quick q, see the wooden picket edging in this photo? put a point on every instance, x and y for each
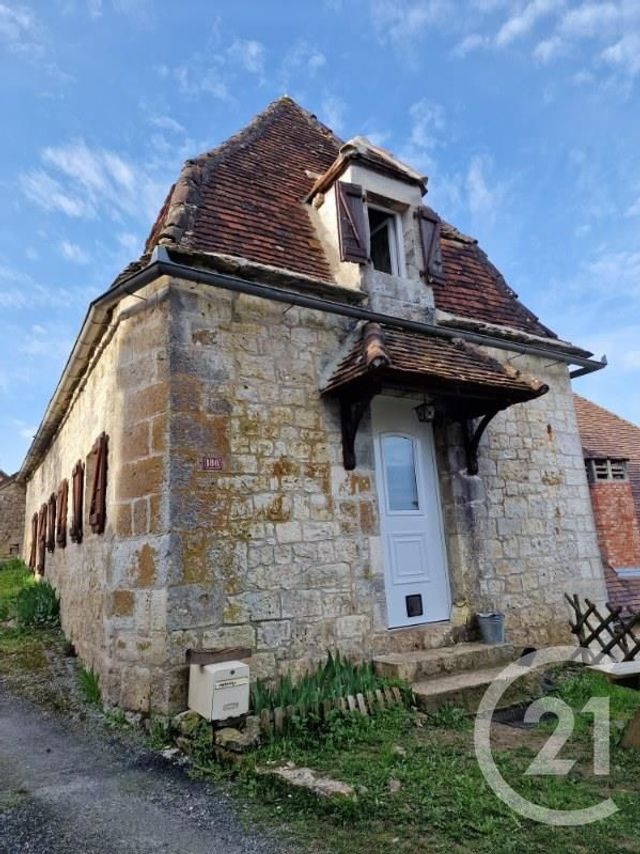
(613, 633)
(276, 721)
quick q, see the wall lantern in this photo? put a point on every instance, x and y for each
(425, 412)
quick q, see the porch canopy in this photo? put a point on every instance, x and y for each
(462, 380)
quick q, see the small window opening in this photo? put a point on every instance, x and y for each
(383, 241)
(606, 469)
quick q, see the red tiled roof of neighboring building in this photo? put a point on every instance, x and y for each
(606, 435)
(434, 363)
(246, 199)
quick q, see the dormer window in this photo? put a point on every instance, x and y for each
(384, 240)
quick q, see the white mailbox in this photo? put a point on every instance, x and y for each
(219, 691)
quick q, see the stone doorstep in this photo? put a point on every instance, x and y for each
(415, 665)
(466, 689)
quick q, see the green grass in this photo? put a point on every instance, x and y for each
(14, 577)
(89, 684)
(27, 649)
(444, 803)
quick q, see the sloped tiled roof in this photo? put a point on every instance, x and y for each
(604, 434)
(246, 199)
(435, 363)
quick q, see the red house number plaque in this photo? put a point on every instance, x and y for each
(211, 464)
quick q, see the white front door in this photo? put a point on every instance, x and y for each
(416, 578)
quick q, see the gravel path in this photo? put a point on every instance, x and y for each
(69, 788)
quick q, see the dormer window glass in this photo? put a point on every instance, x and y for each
(383, 240)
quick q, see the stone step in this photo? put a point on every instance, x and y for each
(466, 689)
(419, 664)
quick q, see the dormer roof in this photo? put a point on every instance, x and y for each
(360, 150)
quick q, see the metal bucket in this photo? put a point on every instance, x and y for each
(491, 627)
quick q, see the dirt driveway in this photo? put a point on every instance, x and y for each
(69, 788)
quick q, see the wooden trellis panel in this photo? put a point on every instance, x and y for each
(612, 632)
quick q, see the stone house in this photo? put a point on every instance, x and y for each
(12, 501)
(312, 415)
(611, 448)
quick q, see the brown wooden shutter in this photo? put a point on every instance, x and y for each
(61, 525)
(33, 552)
(77, 497)
(51, 523)
(98, 505)
(352, 228)
(429, 223)
(42, 538)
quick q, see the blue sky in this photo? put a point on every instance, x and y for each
(524, 114)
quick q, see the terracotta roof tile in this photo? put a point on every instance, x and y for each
(604, 434)
(434, 363)
(246, 199)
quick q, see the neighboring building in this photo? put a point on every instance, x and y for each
(12, 501)
(611, 449)
(268, 431)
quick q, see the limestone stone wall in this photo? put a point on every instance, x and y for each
(521, 533)
(231, 520)
(12, 502)
(112, 586)
(278, 548)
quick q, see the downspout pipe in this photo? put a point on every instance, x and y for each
(161, 264)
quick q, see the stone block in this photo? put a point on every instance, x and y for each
(301, 603)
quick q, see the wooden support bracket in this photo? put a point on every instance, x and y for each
(351, 412)
(472, 435)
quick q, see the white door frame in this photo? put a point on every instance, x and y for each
(414, 549)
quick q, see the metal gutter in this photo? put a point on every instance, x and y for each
(98, 316)
(222, 280)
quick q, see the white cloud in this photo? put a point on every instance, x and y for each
(249, 54)
(485, 197)
(469, 43)
(72, 252)
(20, 291)
(27, 431)
(589, 19)
(81, 181)
(548, 49)
(625, 54)
(634, 209)
(50, 341)
(303, 56)
(402, 23)
(523, 21)
(427, 123)
(19, 29)
(94, 7)
(332, 110)
(615, 273)
(194, 79)
(167, 123)
(47, 193)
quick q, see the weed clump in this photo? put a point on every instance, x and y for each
(37, 606)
